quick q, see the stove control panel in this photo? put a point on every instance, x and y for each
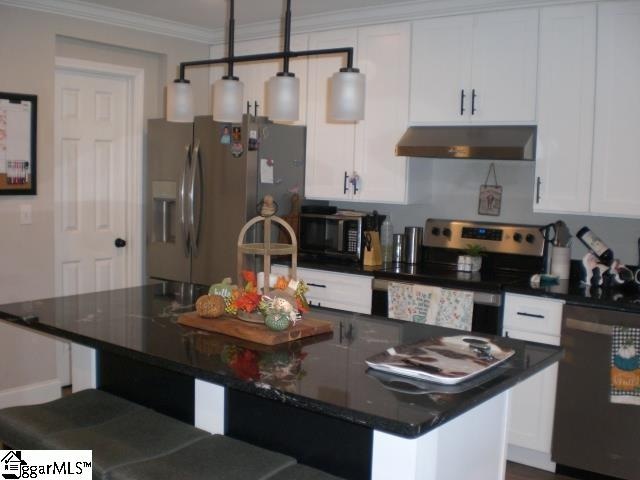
(494, 237)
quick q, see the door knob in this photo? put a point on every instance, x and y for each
(120, 242)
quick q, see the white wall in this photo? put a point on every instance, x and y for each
(29, 42)
(455, 185)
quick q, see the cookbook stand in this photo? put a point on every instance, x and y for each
(266, 248)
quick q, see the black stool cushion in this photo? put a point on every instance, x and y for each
(214, 458)
(302, 472)
(134, 437)
(26, 427)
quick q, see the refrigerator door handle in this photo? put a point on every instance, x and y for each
(195, 217)
(183, 202)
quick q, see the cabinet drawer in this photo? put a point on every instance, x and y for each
(334, 290)
(532, 314)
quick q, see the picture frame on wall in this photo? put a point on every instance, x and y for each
(18, 140)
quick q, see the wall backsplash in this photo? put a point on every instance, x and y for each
(455, 185)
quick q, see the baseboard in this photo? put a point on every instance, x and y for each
(532, 458)
(31, 394)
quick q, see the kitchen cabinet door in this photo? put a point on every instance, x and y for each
(330, 145)
(383, 57)
(566, 98)
(504, 66)
(441, 70)
(616, 165)
(532, 402)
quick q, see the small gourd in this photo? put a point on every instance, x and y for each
(224, 288)
(210, 306)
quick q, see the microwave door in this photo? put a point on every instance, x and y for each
(340, 237)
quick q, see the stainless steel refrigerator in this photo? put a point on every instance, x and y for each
(201, 190)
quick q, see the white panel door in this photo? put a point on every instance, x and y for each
(616, 160)
(91, 116)
(441, 70)
(383, 56)
(330, 145)
(566, 97)
(504, 66)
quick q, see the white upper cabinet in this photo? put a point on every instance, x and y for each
(441, 69)
(504, 65)
(366, 149)
(566, 89)
(383, 56)
(616, 158)
(475, 68)
(330, 145)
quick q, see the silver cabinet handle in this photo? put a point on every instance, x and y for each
(183, 201)
(538, 183)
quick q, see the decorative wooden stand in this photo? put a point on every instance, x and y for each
(267, 248)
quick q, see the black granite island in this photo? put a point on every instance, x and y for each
(313, 399)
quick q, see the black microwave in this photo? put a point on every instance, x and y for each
(337, 235)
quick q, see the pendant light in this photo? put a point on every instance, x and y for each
(228, 92)
(180, 101)
(283, 90)
(346, 103)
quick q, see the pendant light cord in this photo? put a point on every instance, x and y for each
(232, 25)
(287, 37)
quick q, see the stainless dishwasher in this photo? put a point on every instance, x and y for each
(591, 433)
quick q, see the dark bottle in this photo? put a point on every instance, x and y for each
(596, 245)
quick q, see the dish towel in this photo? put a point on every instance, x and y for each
(625, 365)
(430, 305)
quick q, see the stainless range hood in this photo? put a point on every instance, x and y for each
(469, 142)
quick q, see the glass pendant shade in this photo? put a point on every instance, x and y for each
(228, 95)
(283, 93)
(347, 96)
(180, 102)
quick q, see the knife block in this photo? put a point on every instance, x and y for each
(372, 249)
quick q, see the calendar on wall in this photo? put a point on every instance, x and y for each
(18, 122)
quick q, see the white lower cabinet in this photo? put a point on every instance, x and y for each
(532, 402)
(341, 291)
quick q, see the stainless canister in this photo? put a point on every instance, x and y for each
(412, 244)
(398, 247)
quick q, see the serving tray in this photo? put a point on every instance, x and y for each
(444, 360)
(254, 332)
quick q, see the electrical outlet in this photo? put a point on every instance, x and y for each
(25, 214)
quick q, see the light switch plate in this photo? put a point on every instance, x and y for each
(25, 214)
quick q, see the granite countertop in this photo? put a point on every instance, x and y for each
(624, 298)
(326, 374)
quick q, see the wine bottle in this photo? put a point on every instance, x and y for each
(596, 245)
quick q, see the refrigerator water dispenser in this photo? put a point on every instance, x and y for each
(164, 195)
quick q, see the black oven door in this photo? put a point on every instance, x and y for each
(486, 308)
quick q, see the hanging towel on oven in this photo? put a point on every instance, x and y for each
(431, 305)
(625, 365)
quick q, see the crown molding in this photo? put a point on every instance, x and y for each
(397, 12)
(117, 17)
(356, 17)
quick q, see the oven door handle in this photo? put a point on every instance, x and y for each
(480, 298)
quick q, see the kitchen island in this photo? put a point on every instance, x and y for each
(313, 399)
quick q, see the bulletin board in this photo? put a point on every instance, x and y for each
(18, 135)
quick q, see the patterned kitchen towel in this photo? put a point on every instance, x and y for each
(413, 303)
(455, 309)
(625, 365)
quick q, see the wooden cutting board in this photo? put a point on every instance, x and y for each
(258, 333)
